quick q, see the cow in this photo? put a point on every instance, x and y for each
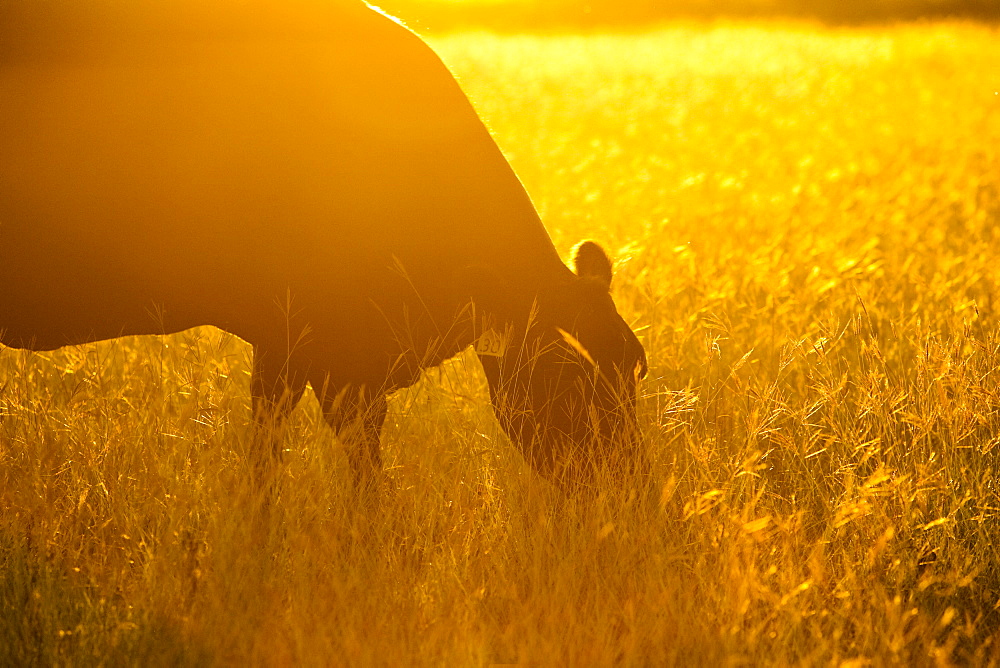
(310, 177)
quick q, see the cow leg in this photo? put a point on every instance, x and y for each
(357, 417)
(366, 451)
(275, 391)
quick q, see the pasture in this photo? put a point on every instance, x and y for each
(806, 226)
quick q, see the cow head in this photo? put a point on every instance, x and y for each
(563, 383)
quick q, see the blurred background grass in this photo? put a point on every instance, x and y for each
(543, 15)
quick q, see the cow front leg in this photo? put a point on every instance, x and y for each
(357, 418)
(275, 391)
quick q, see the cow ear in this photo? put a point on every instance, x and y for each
(590, 261)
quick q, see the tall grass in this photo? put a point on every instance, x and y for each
(805, 225)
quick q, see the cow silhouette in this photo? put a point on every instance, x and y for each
(310, 177)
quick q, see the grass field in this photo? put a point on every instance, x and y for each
(807, 225)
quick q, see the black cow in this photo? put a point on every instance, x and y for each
(310, 177)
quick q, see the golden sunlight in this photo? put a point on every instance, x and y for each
(346, 387)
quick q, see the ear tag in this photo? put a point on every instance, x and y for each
(491, 344)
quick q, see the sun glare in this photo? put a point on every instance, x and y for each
(805, 226)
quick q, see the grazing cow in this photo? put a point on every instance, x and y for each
(310, 177)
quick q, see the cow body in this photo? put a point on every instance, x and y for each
(310, 178)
